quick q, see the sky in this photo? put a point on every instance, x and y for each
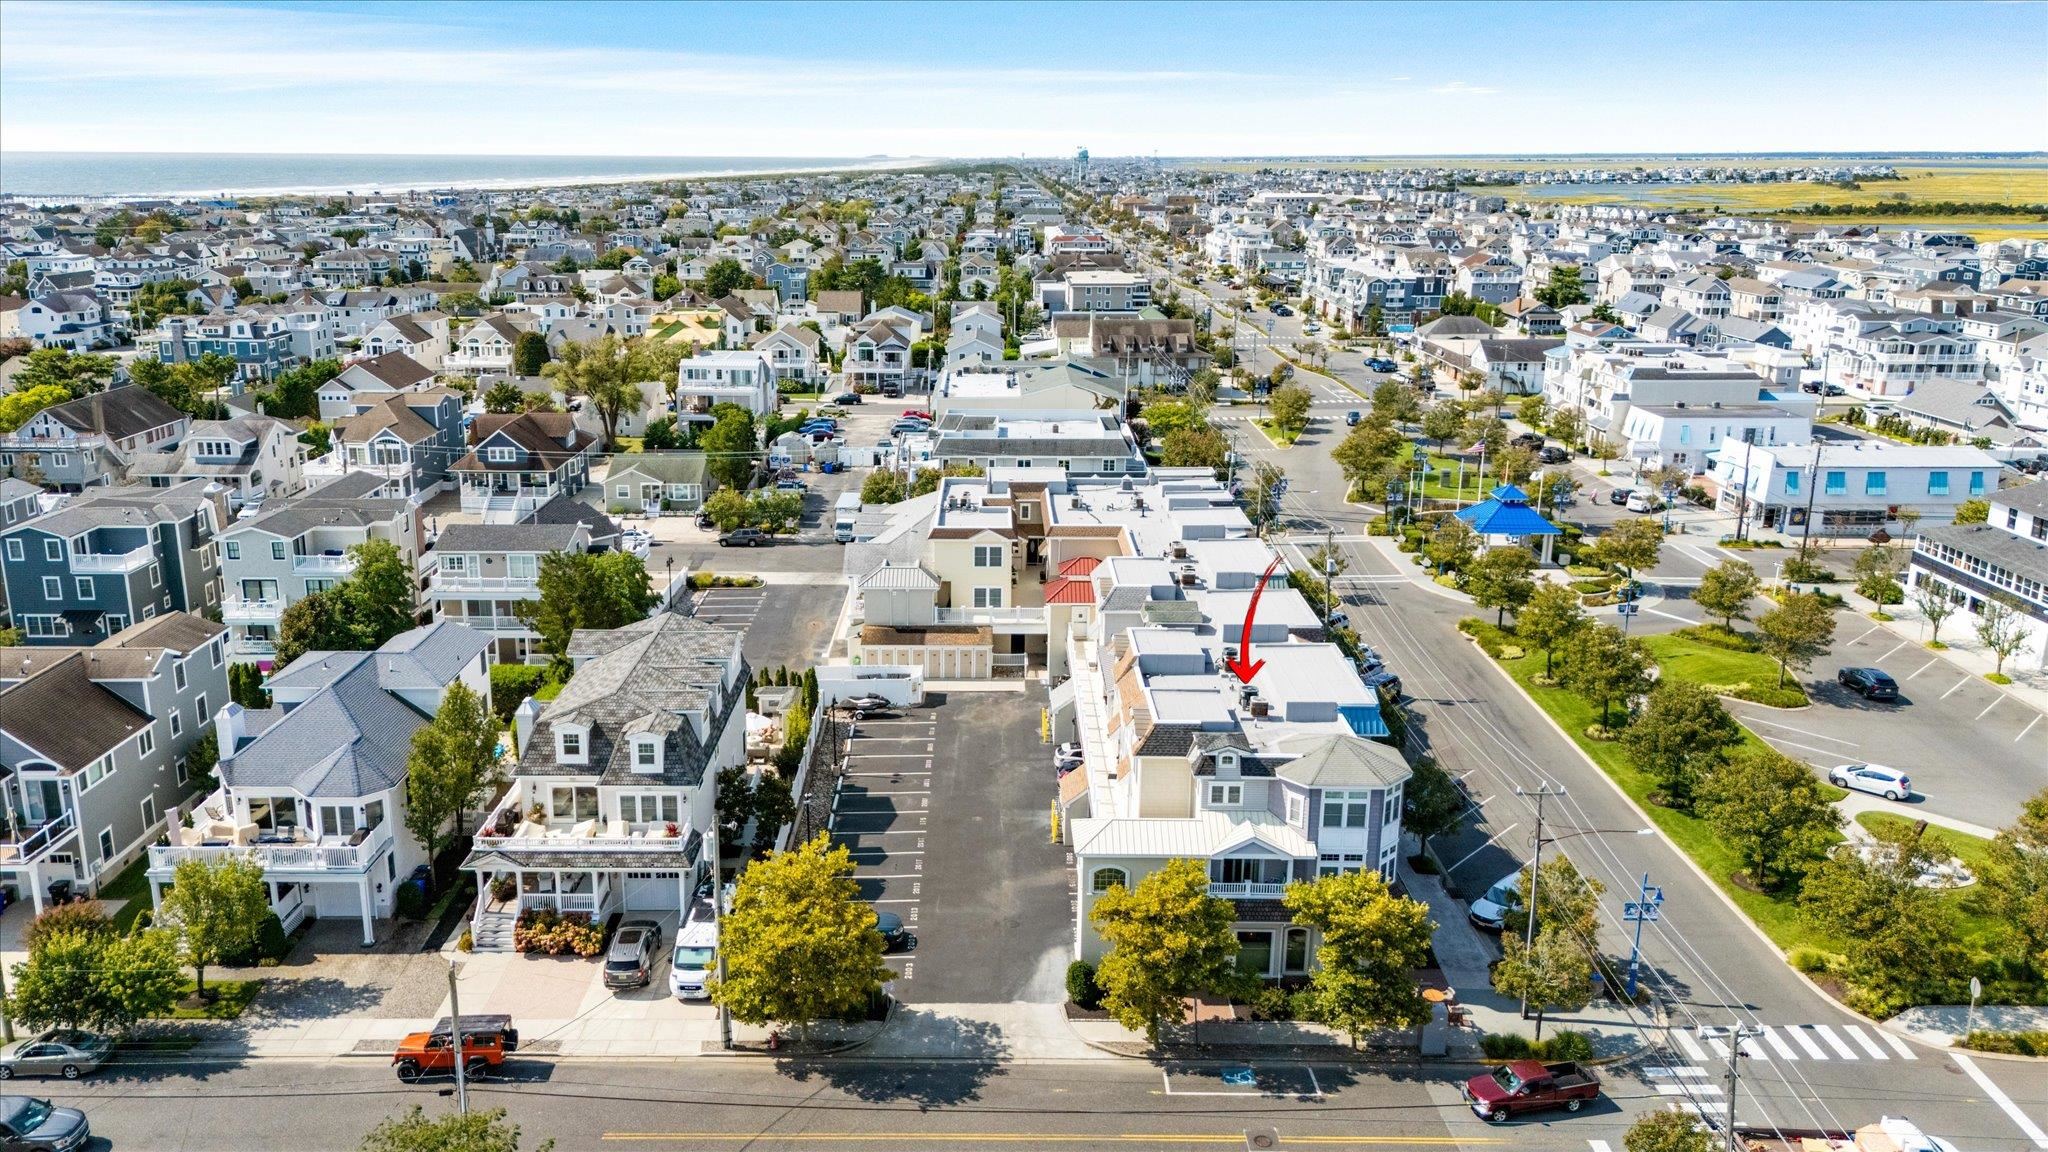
(1041, 79)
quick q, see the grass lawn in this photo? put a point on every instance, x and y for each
(131, 887)
(1689, 659)
(1977, 929)
(630, 444)
(1280, 437)
(232, 998)
(1441, 481)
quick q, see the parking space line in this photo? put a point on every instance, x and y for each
(1925, 667)
(1747, 719)
(2027, 729)
(1956, 689)
(905, 876)
(1866, 634)
(1778, 740)
(1894, 648)
(1995, 703)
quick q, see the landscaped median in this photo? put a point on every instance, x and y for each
(1863, 921)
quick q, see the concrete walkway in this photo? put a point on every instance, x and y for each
(1856, 802)
(1943, 1025)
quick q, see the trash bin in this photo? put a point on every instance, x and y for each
(60, 891)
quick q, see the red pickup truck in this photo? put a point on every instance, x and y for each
(1531, 1086)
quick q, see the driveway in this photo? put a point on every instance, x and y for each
(946, 811)
(329, 974)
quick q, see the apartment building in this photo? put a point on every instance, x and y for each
(1848, 488)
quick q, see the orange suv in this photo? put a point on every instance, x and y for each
(486, 1040)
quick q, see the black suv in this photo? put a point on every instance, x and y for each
(743, 538)
(1868, 683)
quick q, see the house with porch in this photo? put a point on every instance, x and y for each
(480, 574)
(408, 439)
(93, 744)
(647, 483)
(254, 457)
(733, 376)
(88, 441)
(313, 787)
(612, 804)
(520, 461)
(795, 353)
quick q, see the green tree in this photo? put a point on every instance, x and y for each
(102, 980)
(1555, 973)
(724, 278)
(2015, 881)
(1877, 571)
(1396, 403)
(1770, 809)
(1435, 803)
(1165, 417)
(1564, 898)
(1726, 591)
(1563, 288)
(1372, 943)
(530, 354)
(1168, 940)
(800, 943)
(584, 590)
(452, 767)
(599, 371)
(486, 1131)
(1533, 411)
(1567, 424)
(315, 622)
(1666, 1131)
(1631, 545)
(1603, 665)
(1262, 495)
(245, 686)
(1549, 619)
(1796, 632)
(1371, 456)
(1936, 602)
(729, 446)
(1973, 512)
(2001, 628)
(1444, 423)
(378, 592)
(1452, 546)
(776, 512)
(1502, 579)
(217, 909)
(1290, 404)
(504, 398)
(728, 508)
(16, 408)
(295, 393)
(1683, 734)
(666, 286)
(76, 372)
(1202, 447)
(1901, 939)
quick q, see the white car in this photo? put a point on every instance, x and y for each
(1641, 502)
(695, 960)
(1875, 779)
(636, 542)
(1490, 911)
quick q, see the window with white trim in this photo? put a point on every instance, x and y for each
(177, 725)
(234, 549)
(53, 588)
(83, 586)
(98, 770)
(178, 675)
(277, 550)
(107, 843)
(1226, 795)
(988, 597)
(1297, 809)
(14, 549)
(200, 716)
(148, 810)
(53, 550)
(988, 555)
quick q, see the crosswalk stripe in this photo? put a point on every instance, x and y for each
(1834, 1041)
(1783, 1049)
(1900, 1046)
(1868, 1044)
(1799, 1033)
(1692, 1049)
(1714, 1042)
(1689, 1090)
(1682, 1071)
(1598, 1146)
(1753, 1049)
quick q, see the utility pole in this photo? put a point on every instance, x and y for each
(718, 933)
(1643, 907)
(1812, 490)
(1735, 1076)
(1541, 792)
(455, 1026)
(7, 1020)
(1329, 573)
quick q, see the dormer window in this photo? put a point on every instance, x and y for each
(1226, 764)
(647, 754)
(572, 745)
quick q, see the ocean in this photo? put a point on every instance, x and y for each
(105, 175)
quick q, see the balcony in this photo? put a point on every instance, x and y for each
(1003, 619)
(1245, 890)
(451, 584)
(495, 625)
(597, 835)
(324, 563)
(241, 610)
(329, 856)
(23, 843)
(251, 646)
(117, 563)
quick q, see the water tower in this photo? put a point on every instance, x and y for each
(1080, 165)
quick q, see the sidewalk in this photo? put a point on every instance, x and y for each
(1942, 1025)
(1857, 802)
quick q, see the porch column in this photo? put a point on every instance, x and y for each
(683, 895)
(35, 886)
(363, 888)
(156, 899)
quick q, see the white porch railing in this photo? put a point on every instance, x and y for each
(120, 562)
(340, 563)
(503, 625)
(240, 608)
(37, 840)
(989, 616)
(1242, 889)
(332, 856)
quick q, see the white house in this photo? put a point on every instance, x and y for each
(744, 377)
(1848, 488)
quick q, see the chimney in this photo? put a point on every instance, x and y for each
(231, 726)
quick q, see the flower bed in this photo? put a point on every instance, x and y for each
(553, 933)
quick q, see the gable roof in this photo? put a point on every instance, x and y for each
(116, 412)
(59, 712)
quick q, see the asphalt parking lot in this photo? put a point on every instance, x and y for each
(1974, 752)
(785, 623)
(944, 810)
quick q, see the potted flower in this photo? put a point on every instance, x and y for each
(538, 813)
(670, 830)
(503, 889)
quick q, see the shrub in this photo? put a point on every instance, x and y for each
(504, 888)
(511, 684)
(1802, 571)
(1377, 526)
(1715, 636)
(465, 942)
(1272, 1002)
(2012, 1043)
(1812, 961)
(1081, 986)
(1492, 639)
(271, 941)
(1505, 1046)
(1998, 677)
(1569, 1045)
(1765, 695)
(552, 933)
(409, 902)
(78, 915)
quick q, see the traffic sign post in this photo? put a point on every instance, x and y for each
(1637, 911)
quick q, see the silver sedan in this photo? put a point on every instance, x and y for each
(62, 1052)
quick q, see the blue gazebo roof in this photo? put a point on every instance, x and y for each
(1507, 513)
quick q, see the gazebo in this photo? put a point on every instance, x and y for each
(1505, 517)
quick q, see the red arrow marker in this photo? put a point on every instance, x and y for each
(1243, 666)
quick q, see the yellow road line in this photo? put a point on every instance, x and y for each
(1045, 1138)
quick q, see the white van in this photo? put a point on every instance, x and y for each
(695, 960)
(844, 514)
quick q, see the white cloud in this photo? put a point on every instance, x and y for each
(1460, 88)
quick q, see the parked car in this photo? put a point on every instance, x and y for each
(1529, 440)
(1875, 779)
(1869, 683)
(845, 398)
(1531, 1086)
(1642, 502)
(486, 1041)
(1382, 680)
(894, 935)
(1338, 619)
(629, 963)
(791, 485)
(1619, 496)
(1352, 418)
(918, 414)
(1382, 364)
(35, 1125)
(1491, 910)
(1811, 387)
(868, 703)
(66, 1052)
(695, 959)
(743, 538)
(1282, 310)
(1833, 390)
(1552, 454)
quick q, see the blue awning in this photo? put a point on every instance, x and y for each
(1364, 720)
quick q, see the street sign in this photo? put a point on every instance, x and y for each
(1627, 609)
(1632, 910)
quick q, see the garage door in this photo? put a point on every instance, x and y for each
(333, 901)
(654, 891)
